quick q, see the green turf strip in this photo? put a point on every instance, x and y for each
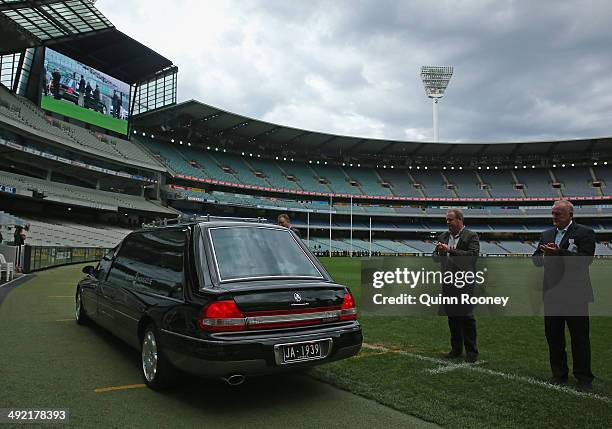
(462, 398)
(67, 108)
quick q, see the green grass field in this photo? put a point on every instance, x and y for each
(67, 108)
(506, 394)
(49, 361)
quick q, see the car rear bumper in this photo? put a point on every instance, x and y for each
(254, 353)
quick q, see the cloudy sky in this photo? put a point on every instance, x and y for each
(524, 70)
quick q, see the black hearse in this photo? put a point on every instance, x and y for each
(219, 298)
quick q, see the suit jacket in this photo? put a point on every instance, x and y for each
(461, 258)
(566, 277)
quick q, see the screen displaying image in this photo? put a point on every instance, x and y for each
(73, 89)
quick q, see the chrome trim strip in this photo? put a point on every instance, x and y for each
(125, 315)
(305, 336)
(262, 320)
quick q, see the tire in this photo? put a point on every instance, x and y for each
(79, 311)
(157, 371)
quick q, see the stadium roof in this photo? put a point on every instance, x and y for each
(77, 29)
(192, 117)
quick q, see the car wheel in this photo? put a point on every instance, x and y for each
(79, 310)
(156, 369)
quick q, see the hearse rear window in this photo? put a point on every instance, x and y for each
(259, 252)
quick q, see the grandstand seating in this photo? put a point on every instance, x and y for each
(368, 180)
(604, 174)
(26, 113)
(77, 195)
(433, 184)
(466, 183)
(538, 182)
(72, 234)
(576, 181)
(501, 183)
(400, 181)
(337, 180)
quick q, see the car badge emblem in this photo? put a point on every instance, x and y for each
(297, 297)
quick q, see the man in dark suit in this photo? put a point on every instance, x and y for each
(457, 250)
(284, 221)
(566, 251)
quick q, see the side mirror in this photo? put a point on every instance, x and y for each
(89, 269)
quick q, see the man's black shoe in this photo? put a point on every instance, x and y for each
(471, 359)
(557, 380)
(585, 386)
(452, 355)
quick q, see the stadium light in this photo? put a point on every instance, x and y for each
(435, 79)
(207, 147)
(152, 136)
(573, 165)
(392, 167)
(144, 134)
(595, 163)
(605, 162)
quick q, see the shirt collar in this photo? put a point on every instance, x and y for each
(564, 230)
(456, 236)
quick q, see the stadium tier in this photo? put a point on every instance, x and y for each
(72, 234)
(20, 112)
(79, 196)
(545, 183)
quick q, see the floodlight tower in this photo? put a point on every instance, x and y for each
(435, 80)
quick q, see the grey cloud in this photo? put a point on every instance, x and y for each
(523, 70)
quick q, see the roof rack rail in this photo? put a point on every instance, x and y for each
(184, 219)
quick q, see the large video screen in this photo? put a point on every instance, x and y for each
(73, 89)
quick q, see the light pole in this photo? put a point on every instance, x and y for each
(435, 79)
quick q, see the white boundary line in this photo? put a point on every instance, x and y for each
(512, 377)
(14, 279)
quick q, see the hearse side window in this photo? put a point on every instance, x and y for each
(105, 263)
(152, 262)
(255, 252)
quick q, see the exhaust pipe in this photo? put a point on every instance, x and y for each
(234, 379)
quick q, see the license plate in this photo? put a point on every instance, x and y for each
(299, 352)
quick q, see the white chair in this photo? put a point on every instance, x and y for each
(7, 267)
